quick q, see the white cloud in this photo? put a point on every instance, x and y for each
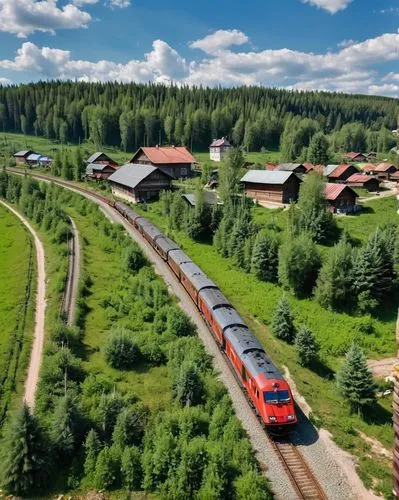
(24, 17)
(346, 43)
(351, 69)
(220, 40)
(119, 4)
(332, 6)
(82, 3)
(5, 81)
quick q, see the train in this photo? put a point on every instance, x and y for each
(269, 393)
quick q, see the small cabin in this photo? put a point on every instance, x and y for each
(385, 170)
(368, 182)
(21, 156)
(100, 158)
(296, 168)
(340, 173)
(99, 171)
(341, 198)
(219, 148)
(354, 157)
(176, 162)
(271, 185)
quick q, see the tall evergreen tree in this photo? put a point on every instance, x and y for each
(307, 347)
(265, 257)
(355, 381)
(64, 428)
(92, 448)
(318, 149)
(283, 321)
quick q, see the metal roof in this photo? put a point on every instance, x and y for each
(383, 167)
(361, 178)
(341, 169)
(178, 257)
(33, 157)
(242, 340)
(166, 155)
(152, 231)
(329, 169)
(227, 316)
(198, 279)
(259, 362)
(96, 166)
(23, 153)
(267, 177)
(166, 244)
(332, 191)
(209, 198)
(213, 298)
(97, 155)
(288, 167)
(45, 159)
(131, 174)
(217, 143)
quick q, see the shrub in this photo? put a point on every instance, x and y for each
(121, 351)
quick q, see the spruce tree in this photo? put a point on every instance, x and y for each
(318, 149)
(64, 428)
(264, 262)
(131, 468)
(283, 321)
(355, 381)
(24, 453)
(107, 469)
(92, 448)
(188, 388)
(307, 347)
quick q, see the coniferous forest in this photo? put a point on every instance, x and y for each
(132, 115)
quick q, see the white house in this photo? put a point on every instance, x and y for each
(219, 148)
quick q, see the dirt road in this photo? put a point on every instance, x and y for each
(37, 347)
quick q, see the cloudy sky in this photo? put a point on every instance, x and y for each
(341, 45)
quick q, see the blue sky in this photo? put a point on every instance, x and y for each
(342, 45)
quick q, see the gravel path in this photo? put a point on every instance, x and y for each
(37, 347)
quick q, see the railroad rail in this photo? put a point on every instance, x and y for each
(68, 303)
(299, 473)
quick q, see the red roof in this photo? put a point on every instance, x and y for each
(308, 166)
(337, 172)
(270, 166)
(360, 178)
(166, 155)
(383, 167)
(332, 191)
(368, 168)
(353, 155)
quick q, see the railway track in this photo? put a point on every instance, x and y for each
(68, 303)
(298, 471)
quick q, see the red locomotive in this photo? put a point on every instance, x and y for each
(266, 387)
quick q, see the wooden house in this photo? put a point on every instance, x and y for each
(353, 157)
(100, 158)
(271, 185)
(296, 168)
(341, 198)
(177, 162)
(371, 156)
(219, 148)
(99, 171)
(340, 173)
(137, 183)
(368, 182)
(21, 156)
(385, 170)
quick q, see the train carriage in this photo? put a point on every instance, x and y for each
(141, 222)
(151, 233)
(175, 259)
(163, 245)
(121, 207)
(210, 299)
(224, 317)
(194, 280)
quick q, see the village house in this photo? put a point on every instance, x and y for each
(137, 183)
(177, 162)
(371, 156)
(21, 156)
(101, 158)
(353, 157)
(219, 148)
(99, 171)
(385, 170)
(368, 168)
(209, 198)
(340, 172)
(341, 198)
(271, 185)
(296, 168)
(368, 182)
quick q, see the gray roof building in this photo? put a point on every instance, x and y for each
(329, 169)
(289, 167)
(209, 198)
(267, 177)
(132, 174)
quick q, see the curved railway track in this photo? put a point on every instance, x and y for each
(302, 479)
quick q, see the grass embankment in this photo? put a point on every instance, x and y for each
(256, 302)
(17, 305)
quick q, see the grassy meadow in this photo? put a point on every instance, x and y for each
(17, 304)
(256, 302)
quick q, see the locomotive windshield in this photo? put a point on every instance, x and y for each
(276, 397)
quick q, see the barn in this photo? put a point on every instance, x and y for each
(368, 182)
(341, 198)
(138, 183)
(271, 185)
(101, 158)
(21, 156)
(385, 170)
(340, 173)
(297, 168)
(177, 162)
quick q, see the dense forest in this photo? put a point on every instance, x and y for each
(130, 115)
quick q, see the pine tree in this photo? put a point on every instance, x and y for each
(355, 381)
(92, 449)
(131, 468)
(264, 262)
(318, 149)
(56, 164)
(307, 347)
(107, 469)
(188, 389)
(283, 321)
(24, 453)
(79, 166)
(63, 430)
(252, 485)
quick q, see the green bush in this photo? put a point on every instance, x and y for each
(121, 351)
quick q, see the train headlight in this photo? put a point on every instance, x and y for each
(273, 419)
(290, 417)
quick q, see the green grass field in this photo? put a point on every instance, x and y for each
(17, 304)
(256, 302)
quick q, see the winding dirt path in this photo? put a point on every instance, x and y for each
(37, 347)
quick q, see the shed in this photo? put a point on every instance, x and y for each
(352, 156)
(137, 183)
(100, 157)
(368, 182)
(271, 185)
(385, 170)
(99, 171)
(341, 172)
(21, 156)
(177, 162)
(341, 197)
(219, 148)
(297, 168)
(210, 198)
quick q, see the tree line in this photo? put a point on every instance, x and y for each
(133, 115)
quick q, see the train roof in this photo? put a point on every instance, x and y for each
(166, 244)
(121, 206)
(227, 316)
(198, 279)
(259, 363)
(142, 221)
(152, 231)
(242, 340)
(213, 298)
(179, 257)
(132, 214)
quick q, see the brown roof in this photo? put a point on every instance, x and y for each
(332, 191)
(217, 143)
(383, 167)
(360, 178)
(308, 166)
(166, 155)
(353, 155)
(337, 172)
(368, 167)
